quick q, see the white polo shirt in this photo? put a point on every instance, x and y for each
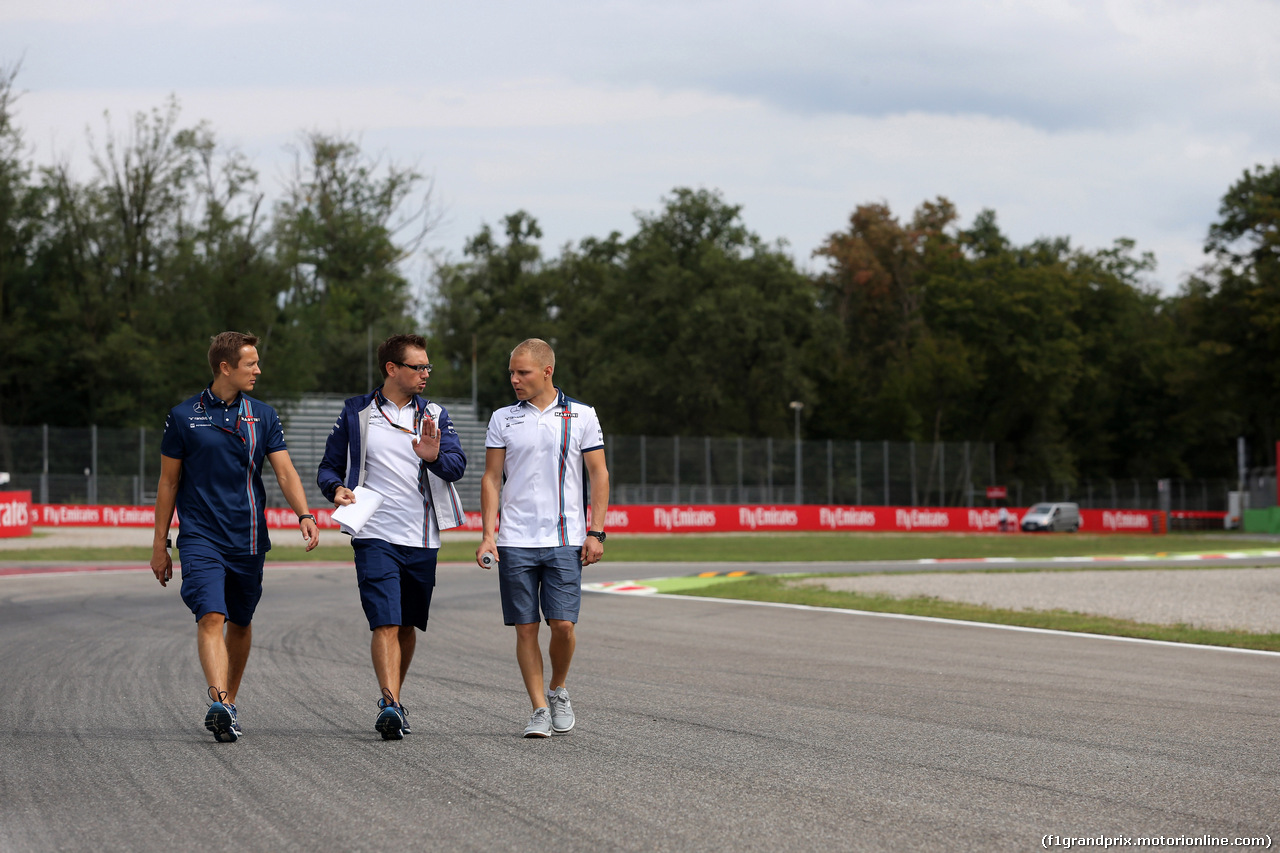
(543, 505)
(391, 469)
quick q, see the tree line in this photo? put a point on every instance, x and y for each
(911, 328)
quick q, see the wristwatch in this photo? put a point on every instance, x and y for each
(306, 515)
(599, 534)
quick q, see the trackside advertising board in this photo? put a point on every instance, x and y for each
(15, 514)
(710, 518)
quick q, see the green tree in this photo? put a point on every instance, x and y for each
(901, 377)
(343, 231)
(20, 222)
(694, 326)
(1230, 317)
(496, 297)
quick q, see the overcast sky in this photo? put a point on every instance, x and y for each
(1093, 120)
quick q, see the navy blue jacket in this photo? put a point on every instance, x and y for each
(344, 457)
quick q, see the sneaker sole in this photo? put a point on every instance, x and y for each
(390, 726)
(563, 731)
(218, 721)
(537, 734)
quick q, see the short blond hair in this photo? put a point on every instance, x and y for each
(537, 349)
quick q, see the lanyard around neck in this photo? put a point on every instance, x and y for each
(417, 415)
(239, 414)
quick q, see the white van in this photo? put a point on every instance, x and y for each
(1052, 517)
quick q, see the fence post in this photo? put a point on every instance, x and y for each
(942, 471)
(706, 458)
(741, 497)
(142, 463)
(768, 491)
(799, 477)
(911, 454)
(675, 474)
(93, 463)
(831, 471)
(44, 469)
(644, 473)
(857, 470)
(886, 473)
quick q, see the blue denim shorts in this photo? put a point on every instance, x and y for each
(550, 576)
(214, 582)
(395, 582)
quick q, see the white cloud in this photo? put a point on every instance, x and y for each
(128, 13)
(1090, 118)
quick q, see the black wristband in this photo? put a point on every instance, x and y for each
(306, 515)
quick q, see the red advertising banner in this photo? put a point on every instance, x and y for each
(997, 493)
(15, 514)
(743, 519)
(708, 518)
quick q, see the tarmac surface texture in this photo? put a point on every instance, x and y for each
(702, 725)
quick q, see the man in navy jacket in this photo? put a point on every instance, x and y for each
(405, 451)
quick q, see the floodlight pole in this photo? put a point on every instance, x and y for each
(796, 406)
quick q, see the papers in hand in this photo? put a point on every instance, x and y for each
(354, 516)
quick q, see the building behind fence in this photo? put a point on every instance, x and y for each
(93, 465)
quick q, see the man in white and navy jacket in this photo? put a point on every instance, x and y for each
(403, 448)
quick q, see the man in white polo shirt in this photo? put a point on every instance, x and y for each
(403, 448)
(540, 445)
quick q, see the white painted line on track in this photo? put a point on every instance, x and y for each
(941, 621)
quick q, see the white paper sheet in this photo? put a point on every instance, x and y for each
(352, 517)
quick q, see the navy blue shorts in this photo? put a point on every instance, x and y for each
(551, 577)
(395, 582)
(214, 582)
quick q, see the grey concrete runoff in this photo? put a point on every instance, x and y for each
(1219, 599)
(701, 725)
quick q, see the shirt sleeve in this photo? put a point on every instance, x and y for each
(173, 442)
(275, 434)
(592, 434)
(493, 436)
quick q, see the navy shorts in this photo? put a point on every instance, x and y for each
(214, 582)
(395, 582)
(551, 577)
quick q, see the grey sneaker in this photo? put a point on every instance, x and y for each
(561, 710)
(539, 724)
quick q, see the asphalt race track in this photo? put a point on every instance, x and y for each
(701, 726)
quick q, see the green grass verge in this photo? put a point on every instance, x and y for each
(765, 547)
(824, 547)
(778, 588)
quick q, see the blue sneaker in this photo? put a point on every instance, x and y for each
(404, 719)
(390, 722)
(220, 718)
(235, 720)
